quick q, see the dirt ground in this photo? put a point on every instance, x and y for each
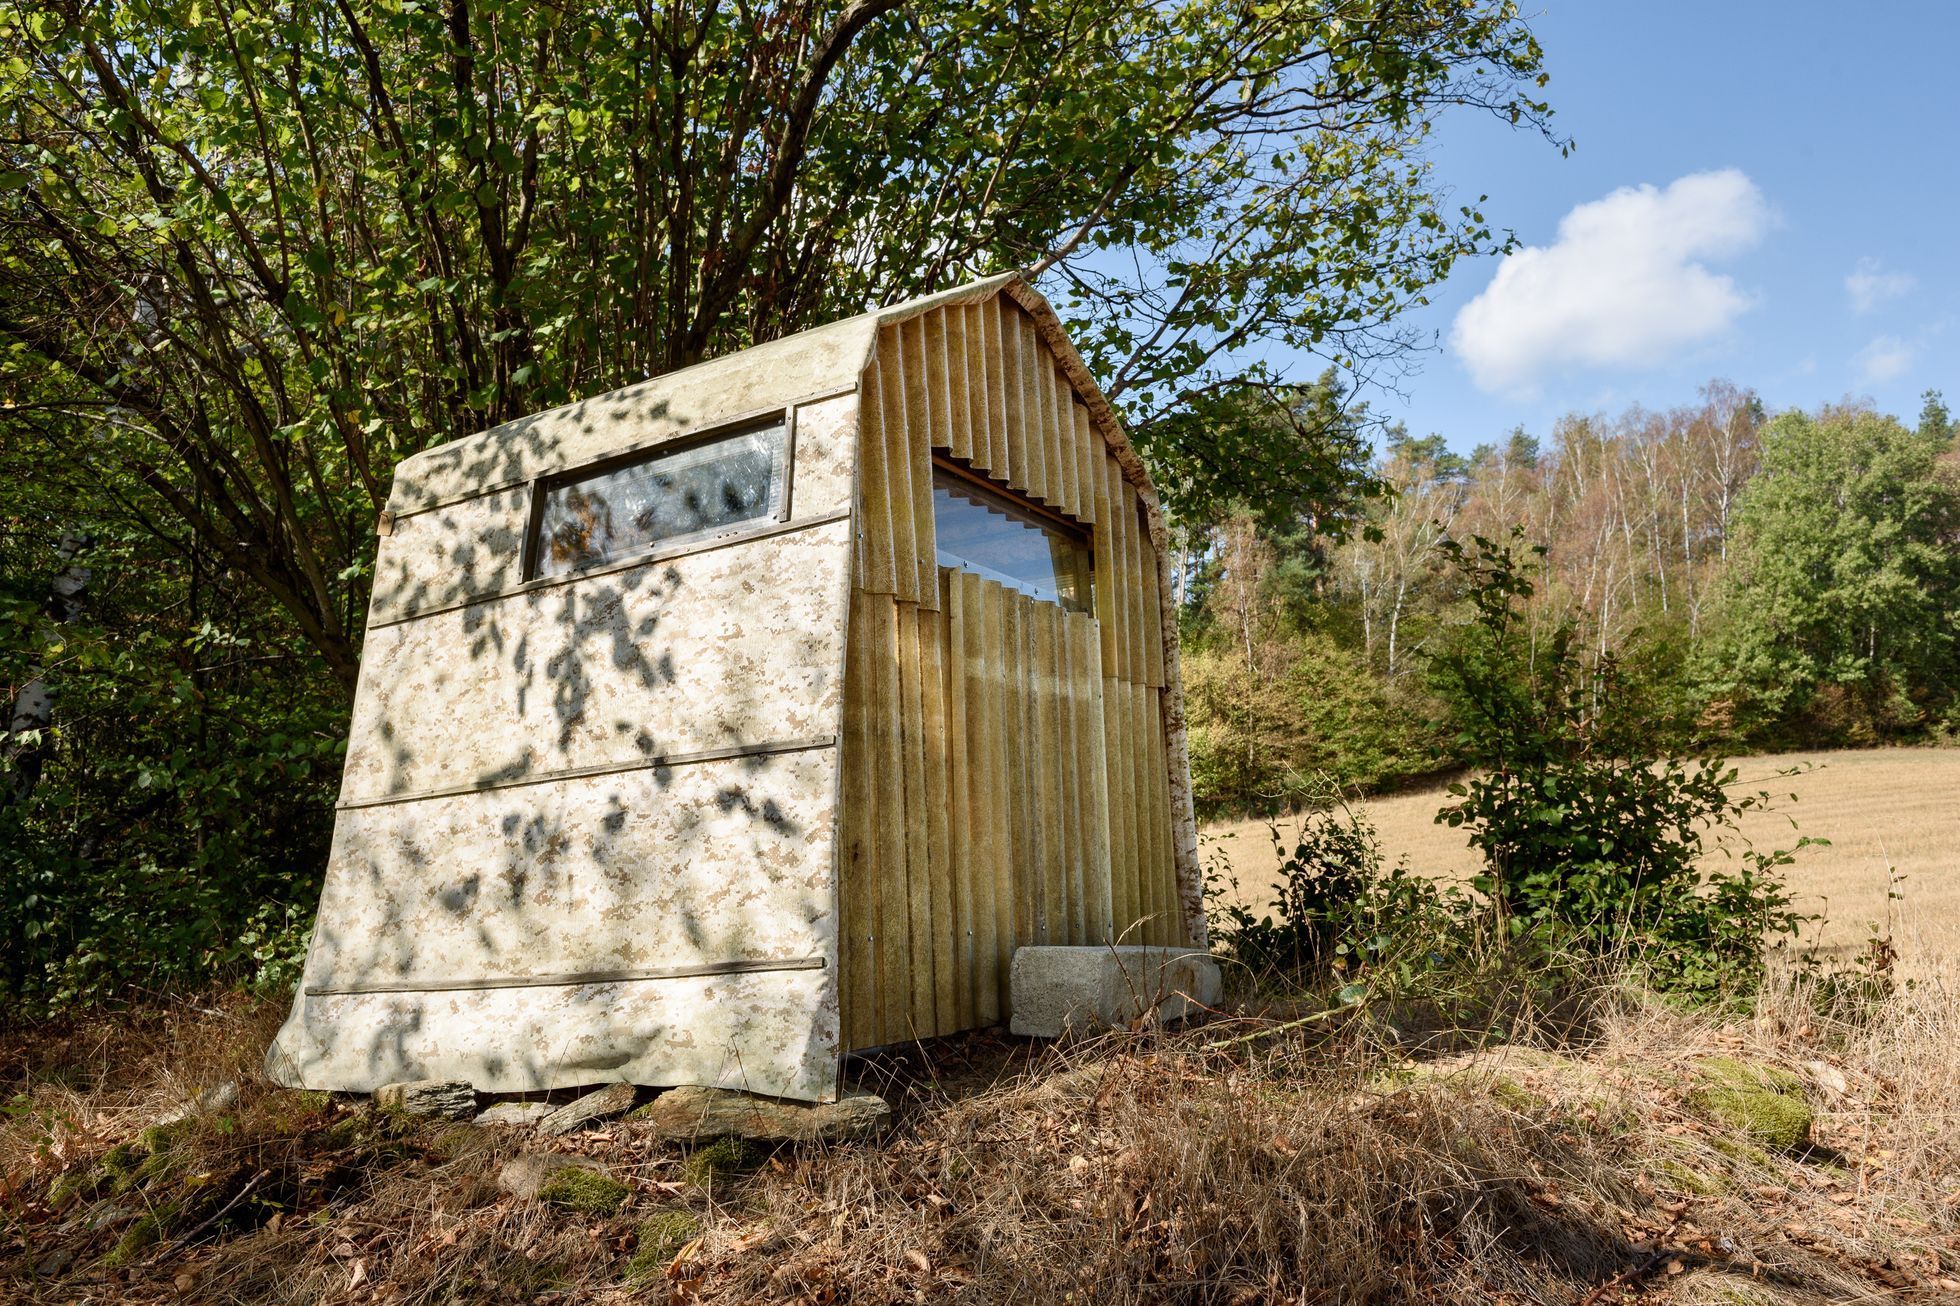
(1785, 1156)
(1892, 817)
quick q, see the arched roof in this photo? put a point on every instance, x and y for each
(809, 365)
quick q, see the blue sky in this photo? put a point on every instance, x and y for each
(1766, 192)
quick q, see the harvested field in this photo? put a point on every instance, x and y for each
(1892, 816)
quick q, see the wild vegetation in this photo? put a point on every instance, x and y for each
(1744, 580)
(1390, 1130)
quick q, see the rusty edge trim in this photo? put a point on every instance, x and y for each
(602, 768)
(570, 980)
(749, 535)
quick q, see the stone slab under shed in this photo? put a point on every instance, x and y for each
(1080, 990)
(691, 1112)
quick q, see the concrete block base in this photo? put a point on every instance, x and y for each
(1082, 990)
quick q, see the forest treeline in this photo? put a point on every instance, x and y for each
(1759, 581)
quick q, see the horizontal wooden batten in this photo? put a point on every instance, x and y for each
(743, 967)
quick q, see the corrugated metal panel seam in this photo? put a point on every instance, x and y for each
(603, 768)
(742, 967)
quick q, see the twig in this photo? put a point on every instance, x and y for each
(1278, 1029)
(184, 1240)
(1638, 1271)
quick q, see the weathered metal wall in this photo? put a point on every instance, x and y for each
(587, 826)
(1006, 779)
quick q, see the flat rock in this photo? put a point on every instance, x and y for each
(453, 1099)
(1057, 991)
(695, 1113)
(1827, 1077)
(514, 1113)
(213, 1100)
(612, 1100)
(523, 1176)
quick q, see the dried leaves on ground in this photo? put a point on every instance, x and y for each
(1304, 1165)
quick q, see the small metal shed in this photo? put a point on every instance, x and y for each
(715, 728)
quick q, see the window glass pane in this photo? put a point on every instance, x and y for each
(989, 535)
(699, 491)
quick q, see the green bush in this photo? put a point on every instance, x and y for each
(1589, 830)
(1340, 918)
(172, 827)
(1310, 716)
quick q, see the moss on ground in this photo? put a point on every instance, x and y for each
(584, 1191)
(1761, 1103)
(1515, 1095)
(725, 1158)
(379, 1137)
(72, 1185)
(1744, 1152)
(1689, 1180)
(149, 1229)
(293, 1110)
(660, 1237)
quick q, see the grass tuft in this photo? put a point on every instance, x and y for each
(584, 1191)
(659, 1237)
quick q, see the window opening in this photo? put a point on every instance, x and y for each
(991, 534)
(702, 490)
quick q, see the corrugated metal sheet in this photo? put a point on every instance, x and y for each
(1036, 738)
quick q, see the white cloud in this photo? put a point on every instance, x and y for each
(1886, 358)
(1621, 286)
(1870, 284)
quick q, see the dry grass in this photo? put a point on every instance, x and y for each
(1884, 810)
(1238, 1162)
